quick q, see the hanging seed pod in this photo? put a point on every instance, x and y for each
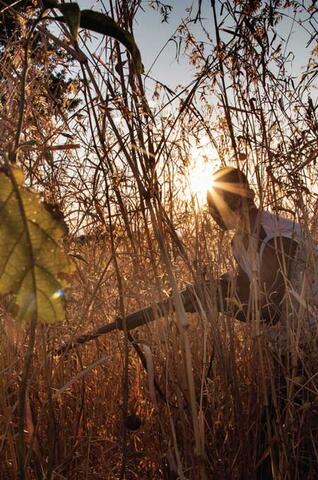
(133, 422)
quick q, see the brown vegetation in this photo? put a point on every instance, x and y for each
(115, 179)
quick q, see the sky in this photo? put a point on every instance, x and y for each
(155, 38)
(152, 35)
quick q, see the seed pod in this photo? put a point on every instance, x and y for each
(133, 422)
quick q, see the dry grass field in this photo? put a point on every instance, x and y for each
(114, 152)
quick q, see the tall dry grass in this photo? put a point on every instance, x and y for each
(134, 241)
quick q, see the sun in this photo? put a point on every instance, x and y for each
(203, 162)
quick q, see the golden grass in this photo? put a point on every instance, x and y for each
(217, 377)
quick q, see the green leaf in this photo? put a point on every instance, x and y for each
(101, 23)
(72, 16)
(32, 263)
(97, 22)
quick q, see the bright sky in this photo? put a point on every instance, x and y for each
(156, 43)
(204, 161)
(152, 35)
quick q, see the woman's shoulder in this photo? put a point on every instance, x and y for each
(278, 226)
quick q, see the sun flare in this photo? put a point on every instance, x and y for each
(204, 161)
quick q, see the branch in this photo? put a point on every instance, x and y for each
(142, 317)
(132, 320)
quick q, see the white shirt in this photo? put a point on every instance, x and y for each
(300, 311)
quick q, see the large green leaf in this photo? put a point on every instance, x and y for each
(101, 23)
(72, 15)
(96, 22)
(32, 263)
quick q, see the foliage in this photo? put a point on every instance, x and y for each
(97, 22)
(13, 24)
(32, 262)
(115, 166)
(9, 19)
